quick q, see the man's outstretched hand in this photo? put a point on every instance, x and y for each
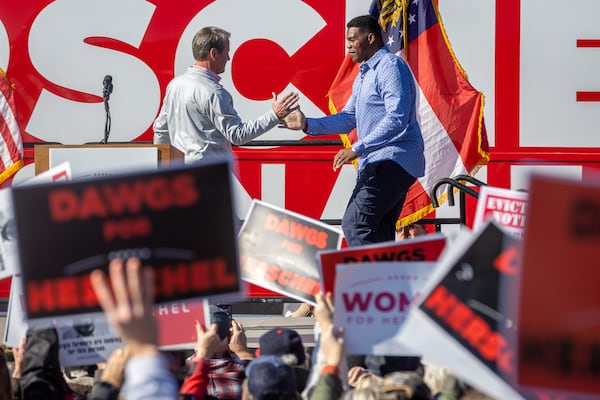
(286, 105)
(296, 120)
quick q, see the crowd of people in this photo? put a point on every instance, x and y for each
(221, 365)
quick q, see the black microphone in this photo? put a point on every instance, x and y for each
(108, 87)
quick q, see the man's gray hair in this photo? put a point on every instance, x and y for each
(207, 38)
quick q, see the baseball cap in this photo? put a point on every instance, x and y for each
(270, 376)
(282, 341)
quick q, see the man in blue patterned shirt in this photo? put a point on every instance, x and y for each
(389, 147)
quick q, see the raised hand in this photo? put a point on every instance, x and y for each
(332, 345)
(324, 310)
(127, 302)
(239, 342)
(286, 105)
(296, 120)
(208, 341)
(114, 370)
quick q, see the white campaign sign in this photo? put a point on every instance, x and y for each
(372, 302)
(9, 262)
(16, 323)
(505, 207)
(8, 239)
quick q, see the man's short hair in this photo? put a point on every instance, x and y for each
(208, 38)
(367, 23)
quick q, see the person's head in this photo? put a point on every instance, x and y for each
(384, 365)
(364, 393)
(410, 231)
(366, 379)
(284, 343)
(363, 38)
(210, 47)
(475, 394)
(269, 378)
(404, 386)
(435, 376)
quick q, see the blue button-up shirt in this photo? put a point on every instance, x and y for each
(382, 108)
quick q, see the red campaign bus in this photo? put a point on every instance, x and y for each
(57, 53)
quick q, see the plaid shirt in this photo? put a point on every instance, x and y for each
(226, 375)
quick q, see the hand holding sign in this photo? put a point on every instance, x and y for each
(130, 310)
(18, 354)
(209, 341)
(238, 342)
(332, 345)
(324, 310)
(114, 372)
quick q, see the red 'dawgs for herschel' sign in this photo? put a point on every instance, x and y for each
(422, 248)
(179, 221)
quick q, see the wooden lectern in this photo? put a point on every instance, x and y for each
(111, 156)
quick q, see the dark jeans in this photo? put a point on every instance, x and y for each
(376, 203)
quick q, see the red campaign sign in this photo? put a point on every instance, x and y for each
(176, 322)
(159, 216)
(278, 250)
(425, 248)
(559, 310)
(506, 207)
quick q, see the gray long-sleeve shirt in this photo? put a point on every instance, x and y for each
(198, 118)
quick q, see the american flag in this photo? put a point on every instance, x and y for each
(450, 109)
(11, 145)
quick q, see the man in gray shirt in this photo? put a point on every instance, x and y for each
(197, 116)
